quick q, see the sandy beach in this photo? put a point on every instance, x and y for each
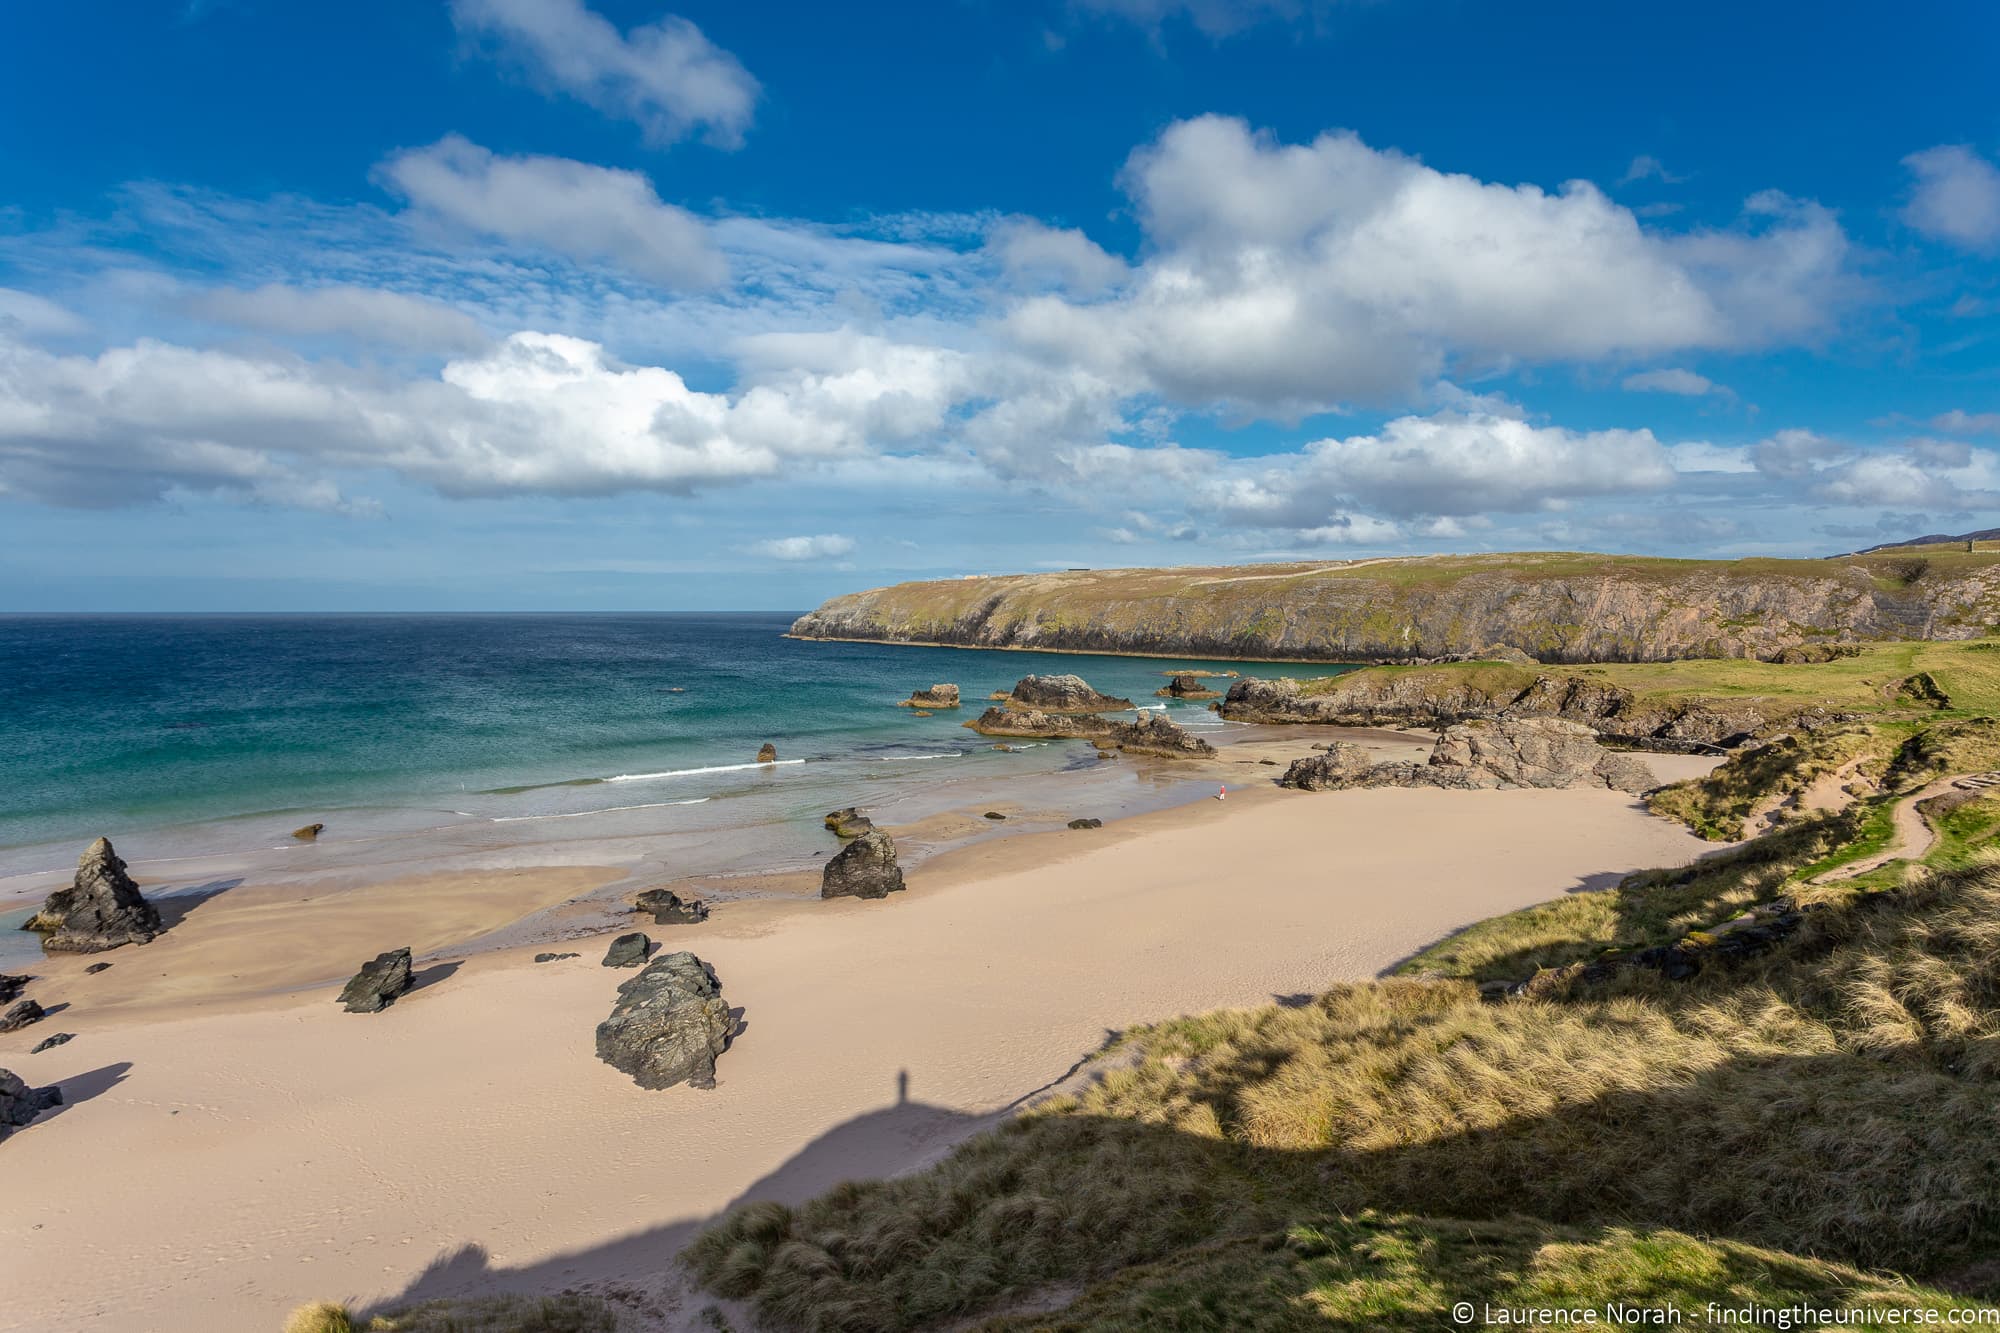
(233, 1144)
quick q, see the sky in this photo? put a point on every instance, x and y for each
(555, 305)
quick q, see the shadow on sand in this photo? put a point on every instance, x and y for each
(176, 905)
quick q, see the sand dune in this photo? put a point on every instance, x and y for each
(214, 1170)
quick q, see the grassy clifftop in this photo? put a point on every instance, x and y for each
(1553, 606)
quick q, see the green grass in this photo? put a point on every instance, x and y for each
(477, 1314)
(1833, 1097)
(1393, 1272)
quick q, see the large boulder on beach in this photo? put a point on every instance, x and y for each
(12, 986)
(670, 909)
(865, 868)
(378, 983)
(20, 1103)
(937, 696)
(669, 1024)
(1522, 752)
(101, 909)
(1063, 694)
(628, 950)
(1154, 734)
(20, 1014)
(1344, 764)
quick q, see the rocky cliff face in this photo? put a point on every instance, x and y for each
(1551, 607)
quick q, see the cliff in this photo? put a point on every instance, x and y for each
(1555, 607)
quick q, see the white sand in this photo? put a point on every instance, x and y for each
(215, 1170)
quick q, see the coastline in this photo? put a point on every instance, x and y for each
(1101, 652)
(224, 1157)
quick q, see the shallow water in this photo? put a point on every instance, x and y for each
(198, 743)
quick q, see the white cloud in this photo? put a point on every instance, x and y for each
(342, 309)
(1701, 456)
(1792, 455)
(825, 546)
(571, 208)
(1291, 278)
(1923, 474)
(666, 76)
(24, 313)
(1959, 421)
(1033, 253)
(1647, 167)
(1683, 382)
(1956, 197)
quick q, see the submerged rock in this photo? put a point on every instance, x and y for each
(101, 909)
(51, 1042)
(670, 909)
(20, 1014)
(669, 1024)
(20, 1103)
(308, 832)
(1063, 694)
(378, 983)
(1186, 687)
(848, 822)
(12, 986)
(628, 950)
(937, 696)
(768, 754)
(865, 868)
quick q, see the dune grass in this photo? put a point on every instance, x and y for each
(571, 1313)
(1835, 1097)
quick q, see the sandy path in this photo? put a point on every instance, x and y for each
(212, 1171)
(1913, 834)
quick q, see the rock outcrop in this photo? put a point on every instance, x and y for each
(865, 868)
(1086, 823)
(628, 950)
(670, 909)
(1186, 687)
(101, 909)
(1152, 734)
(669, 1024)
(1526, 752)
(847, 822)
(937, 696)
(20, 1014)
(49, 1043)
(378, 983)
(767, 753)
(1551, 607)
(1062, 694)
(20, 1104)
(552, 957)
(1433, 699)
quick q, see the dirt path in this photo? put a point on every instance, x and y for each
(1914, 835)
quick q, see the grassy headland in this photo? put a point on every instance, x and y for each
(1552, 606)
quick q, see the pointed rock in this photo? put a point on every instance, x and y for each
(865, 868)
(20, 1103)
(378, 983)
(101, 909)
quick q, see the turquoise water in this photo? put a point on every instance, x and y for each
(183, 737)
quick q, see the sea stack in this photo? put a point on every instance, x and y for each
(101, 909)
(1062, 694)
(865, 868)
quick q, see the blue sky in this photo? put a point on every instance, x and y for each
(533, 304)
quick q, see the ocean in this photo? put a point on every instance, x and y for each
(490, 739)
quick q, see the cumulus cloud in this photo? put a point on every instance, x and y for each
(342, 309)
(665, 76)
(571, 208)
(1922, 474)
(1033, 253)
(1956, 197)
(1287, 278)
(1683, 382)
(825, 546)
(538, 413)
